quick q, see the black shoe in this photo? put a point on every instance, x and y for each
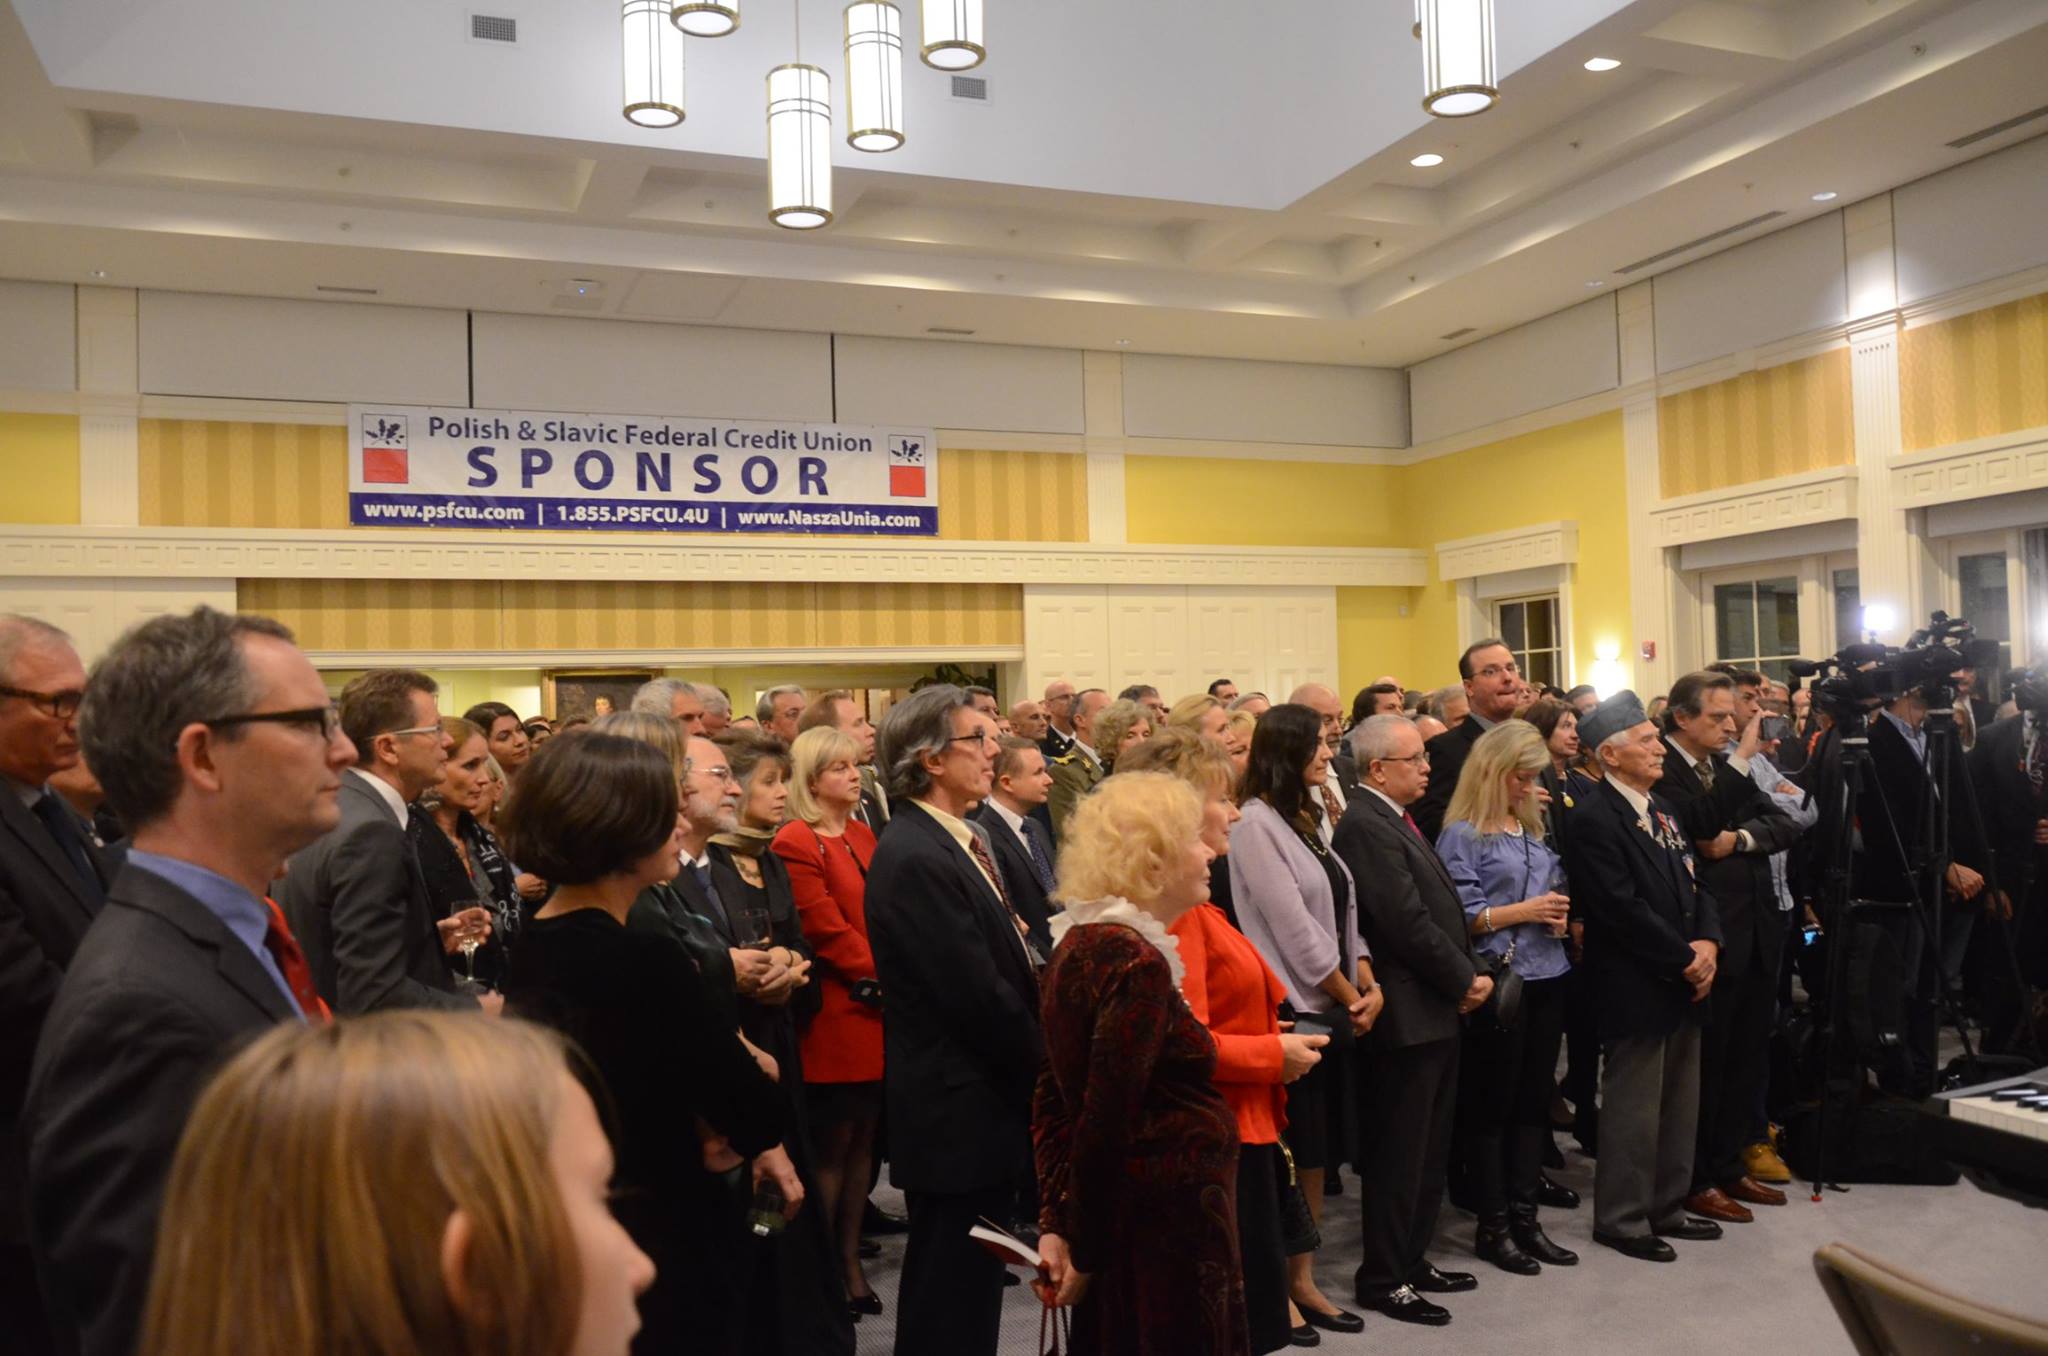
(1407, 1306)
(1690, 1229)
(1433, 1282)
(1333, 1183)
(876, 1220)
(870, 1303)
(1529, 1236)
(1333, 1322)
(1494, 1245)
(1556, 1197)
(1010, 1277)
(1642, 1249)
(1304, 1336)
(870, 1249)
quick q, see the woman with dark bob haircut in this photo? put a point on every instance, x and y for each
(597, 816)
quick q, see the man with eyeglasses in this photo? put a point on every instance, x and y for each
(52, 883)
(711, 806)
(215, 743)
(356, 897)
(1059, 724)
(1493, 686)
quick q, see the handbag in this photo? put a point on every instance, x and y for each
(1504, 1005)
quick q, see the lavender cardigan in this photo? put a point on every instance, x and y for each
(1282, 897)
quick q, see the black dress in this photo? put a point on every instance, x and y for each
(636, 1005)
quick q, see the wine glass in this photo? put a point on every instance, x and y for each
(472, 937)
(754, 929)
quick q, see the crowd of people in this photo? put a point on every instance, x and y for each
(354, 1025)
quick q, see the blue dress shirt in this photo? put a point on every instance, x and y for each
(246, 916)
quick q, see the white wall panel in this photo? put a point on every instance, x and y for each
(38, 337)
(1148, 639)
(537, 362)
(929, 384)
(1226, 637)
(1784, 284)
(1562, 357)
(1066, 635)
(261, 348)
(96, 611)
(1300, 639)
(1974, 222)
(1231, 400)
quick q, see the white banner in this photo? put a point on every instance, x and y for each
(411, 466)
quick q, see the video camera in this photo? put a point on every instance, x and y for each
(1857, 679)
(1850, 683)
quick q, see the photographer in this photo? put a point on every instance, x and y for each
(2009, 767)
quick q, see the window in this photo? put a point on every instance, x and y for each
(1848, 608)
(1756, 624)
(1985, 601)
(1530, 627)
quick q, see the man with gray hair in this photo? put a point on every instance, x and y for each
(962, 1044)
(219, 749)
(717, 709)
(1653, 939)
(683, 702)
(780, 710)
(52, 884)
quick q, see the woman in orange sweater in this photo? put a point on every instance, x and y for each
(1232, 991)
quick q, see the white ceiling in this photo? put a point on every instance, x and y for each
(1145, 173)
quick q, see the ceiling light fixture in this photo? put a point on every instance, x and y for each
(706, 18)
(1457, 57)
(653, 65)
(799, 140)
(874, 76)
(99, 273)
(1596, 282)
(952, 35)
(1427, 160)
(1601, 63)
(1826, 195)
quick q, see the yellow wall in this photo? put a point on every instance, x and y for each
(1217, 502)
(1761, 425)
(1572, 472)
(464, 688)
(1975, 375)
(1374, 636)
(39, 468)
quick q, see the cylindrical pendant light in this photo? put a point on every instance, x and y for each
(653, 65)
(874, 76)
(1457, 57)
(706, 18)
(799, 146)
(952, 35)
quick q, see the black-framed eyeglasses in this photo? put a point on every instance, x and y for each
(1422, 757)
(325, 719)
(978, 736)
(55, 705)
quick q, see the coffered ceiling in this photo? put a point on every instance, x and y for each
(1151, 174)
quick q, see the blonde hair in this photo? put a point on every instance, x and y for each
(1113, 722)
(1126, 835)
(1188, 711)
(1178, 751)
(662, 732)
(815, 750)
(1482, 794)
(316, 1178)
(1242, 722)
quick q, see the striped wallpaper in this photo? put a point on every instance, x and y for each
(1780, 421)
(210, 473)
(1975, 375)
(345, 616)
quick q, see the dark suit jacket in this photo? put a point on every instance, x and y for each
(1900, 784)
(359, 906)
(773, 1028)
(1054, 744)
(1447, 754)
(44, 913)
(961, 1037)
(1019, 877)
(1643, 911)
(1745, 899)
(158, 996)
(2006, 800)
(1411, 917)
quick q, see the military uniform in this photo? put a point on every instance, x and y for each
(1074, 775)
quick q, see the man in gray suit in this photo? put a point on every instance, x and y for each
(356, 897)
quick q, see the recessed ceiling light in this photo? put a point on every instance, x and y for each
(1427, 160)
(1826, 195)
(1123, 343)
(99, 273)
(1601, 63)
(1596, 282)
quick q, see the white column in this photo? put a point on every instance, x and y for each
(1102, 438)
(109, 471)
(1652, 618)
(1888, 537)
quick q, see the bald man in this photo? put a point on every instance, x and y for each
(1058, 704)
(1027, 718)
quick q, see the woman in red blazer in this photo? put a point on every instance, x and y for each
(828, 852)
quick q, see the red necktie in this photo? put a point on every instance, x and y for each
(995, 878)
(298, 976)
(1413, 827)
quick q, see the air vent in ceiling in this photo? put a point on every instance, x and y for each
(973, 87)
(1458, 334)
(1691, 245)
(946, 329)
(345, 291)
(1993, 130)
(493, 28)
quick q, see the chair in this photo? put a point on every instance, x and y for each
(1889, 1312)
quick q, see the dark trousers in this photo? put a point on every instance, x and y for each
(1735, 1055)
(21, 1302)
(1582, 1055)
(1407, 1096)
(1649, 1098)
(1262, 1244)
(1504, 1086)
(950, 1301)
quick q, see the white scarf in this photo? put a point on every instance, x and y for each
(1116, 909)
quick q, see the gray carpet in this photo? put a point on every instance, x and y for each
(1754, 1288)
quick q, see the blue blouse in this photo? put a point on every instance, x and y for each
(1506, 868)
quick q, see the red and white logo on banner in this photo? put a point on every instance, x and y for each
(385, 454)
(907, 459)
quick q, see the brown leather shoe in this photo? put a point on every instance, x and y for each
(1713, 1203)
(1754, 1192)
(1765, 1165)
